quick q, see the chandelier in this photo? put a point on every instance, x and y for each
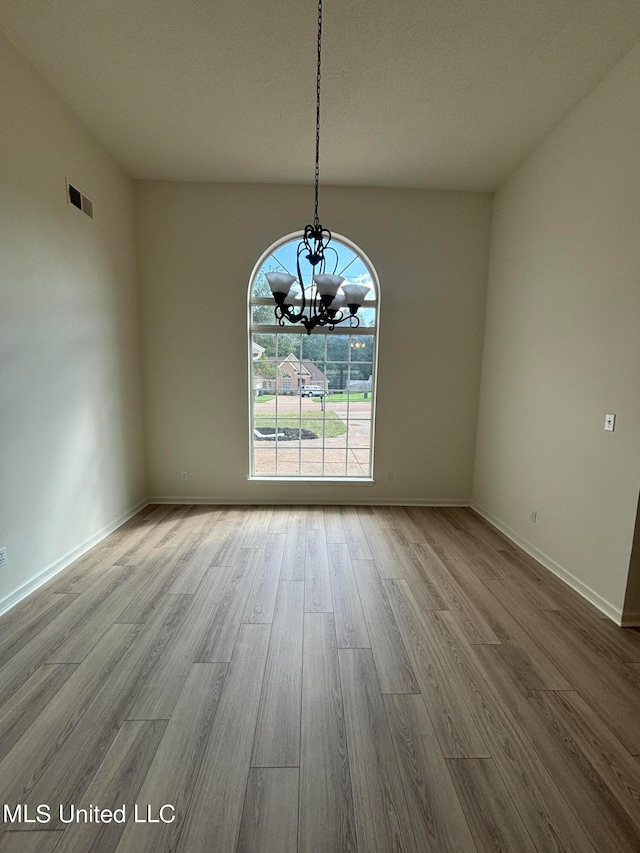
(327, 301)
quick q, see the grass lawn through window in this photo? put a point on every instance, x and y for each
(333, 425)
(340, 397)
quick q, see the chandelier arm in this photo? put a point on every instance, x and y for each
(349, 317)
(345, 317)
(286, 312)
(300, 281)
(330, 248)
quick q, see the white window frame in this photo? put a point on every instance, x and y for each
(301, 331)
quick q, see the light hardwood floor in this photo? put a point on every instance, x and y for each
(318, 680)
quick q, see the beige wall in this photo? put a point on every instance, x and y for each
(70, 425)
(562, 345)
(198, 245)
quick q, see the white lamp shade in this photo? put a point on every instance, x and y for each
(355, 293)
(327, 285)
(338, 302)
(293, 294)
(280, 282)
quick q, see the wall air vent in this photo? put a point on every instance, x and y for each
(79, 200)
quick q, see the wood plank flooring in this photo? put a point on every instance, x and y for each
(317, 680)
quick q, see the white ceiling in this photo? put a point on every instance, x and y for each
(447, 94)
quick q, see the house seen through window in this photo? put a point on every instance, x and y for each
(312, 397)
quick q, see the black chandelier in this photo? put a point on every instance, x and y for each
(328, 298)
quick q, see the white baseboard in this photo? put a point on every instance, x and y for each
(52, 569)
(271, 501)
(614, 613)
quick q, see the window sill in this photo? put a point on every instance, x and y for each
(326, 480)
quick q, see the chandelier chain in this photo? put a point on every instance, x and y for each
(326, 307)
(316, 220)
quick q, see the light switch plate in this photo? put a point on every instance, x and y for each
(610, 422)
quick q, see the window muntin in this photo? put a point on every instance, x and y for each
(312, 403)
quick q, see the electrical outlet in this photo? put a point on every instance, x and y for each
(3, 556)
(183, 475)
(534, 516)
(609, 422)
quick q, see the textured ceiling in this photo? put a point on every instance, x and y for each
(447, 94)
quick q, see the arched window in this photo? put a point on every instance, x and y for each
(312, 396)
